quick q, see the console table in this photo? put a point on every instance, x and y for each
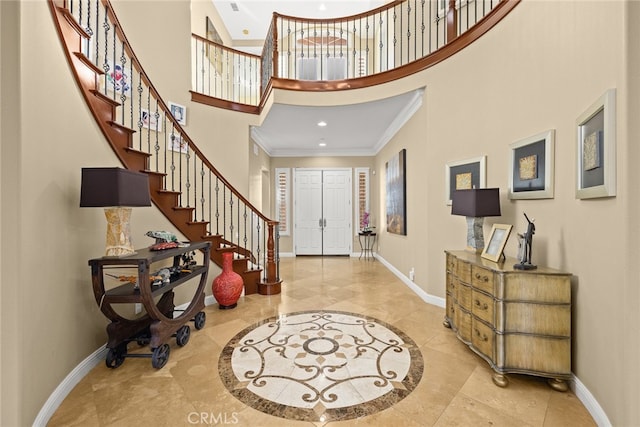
(158, 324)
(518, 321)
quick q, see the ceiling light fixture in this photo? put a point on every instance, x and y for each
(322, 123)
(322, 144)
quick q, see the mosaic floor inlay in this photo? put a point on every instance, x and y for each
(321, 366)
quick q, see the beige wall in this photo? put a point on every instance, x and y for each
(164, 51)
(259, 172)
(539, 69)
(200, 10)
(50, 320)
(10, 353)
(531, 73)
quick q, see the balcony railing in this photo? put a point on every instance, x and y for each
(324, 50)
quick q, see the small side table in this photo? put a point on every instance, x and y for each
(367, 243)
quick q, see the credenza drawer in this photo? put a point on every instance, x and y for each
(482, 278)
(463, 324)
(482, 306)
(464, 295)
(482, 338)
(463, 271)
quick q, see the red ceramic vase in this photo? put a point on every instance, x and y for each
(227, 287)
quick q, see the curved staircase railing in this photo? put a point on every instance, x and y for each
(374, 47)
(146, 135)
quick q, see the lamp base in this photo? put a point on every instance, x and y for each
(118, 232)
(475, 234)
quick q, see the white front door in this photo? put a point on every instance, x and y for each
(322, 212)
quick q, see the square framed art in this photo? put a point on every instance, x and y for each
(464, 175)
(179, 112)
(596, 149)
(531, 167)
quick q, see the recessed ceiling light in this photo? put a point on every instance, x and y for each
(245, 31)
(322, 123)
(322, 7)
(322, 144)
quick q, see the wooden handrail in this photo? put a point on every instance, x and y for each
(455, 42)
(117, 131)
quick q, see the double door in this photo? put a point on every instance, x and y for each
(323, 212)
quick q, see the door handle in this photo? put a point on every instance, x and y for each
(320, 223)
(324, 222)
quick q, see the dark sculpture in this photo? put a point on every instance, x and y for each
(526, 240)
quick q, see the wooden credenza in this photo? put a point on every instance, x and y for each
(518, 321)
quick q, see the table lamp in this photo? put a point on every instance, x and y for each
(116, 190)
(476, 204)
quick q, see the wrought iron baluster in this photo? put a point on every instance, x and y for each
(140, 122)
(244, 240)
(105, 66)
(202, 197)
(251, 237)
(217, 206)
(422, 27)
(131, 103)
(258, 240)
(224, 211)
(156, 147)
(124, 84)
(408, 32)
(264, 251)
(173, 162)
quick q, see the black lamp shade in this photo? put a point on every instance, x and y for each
(105, 187)
(476, 203)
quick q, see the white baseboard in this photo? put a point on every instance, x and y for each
(582, 393)
(590, 402)
(428, 298)
(98, 356)
(65, 387)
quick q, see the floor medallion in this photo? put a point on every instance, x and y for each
(321, 366)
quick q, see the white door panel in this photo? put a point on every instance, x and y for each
(323, 212)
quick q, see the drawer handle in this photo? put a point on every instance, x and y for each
(481, 336)
(481, 306)
(483, 278)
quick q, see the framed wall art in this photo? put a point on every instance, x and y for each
(464, 175)
(497, 240)
(531, 167)
(150, 120)
(596, 149)
(178, 144)
(396, 193)
(179, 112)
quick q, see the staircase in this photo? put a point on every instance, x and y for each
(140, 128)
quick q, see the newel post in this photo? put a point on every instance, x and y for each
(272, 284)
(452, 22)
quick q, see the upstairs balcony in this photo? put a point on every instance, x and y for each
(381, 45)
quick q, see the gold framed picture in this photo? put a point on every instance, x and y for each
(497, 240)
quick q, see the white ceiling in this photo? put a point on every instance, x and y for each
(288, 130)
(351, 130)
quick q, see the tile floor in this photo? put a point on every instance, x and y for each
(455, 388)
